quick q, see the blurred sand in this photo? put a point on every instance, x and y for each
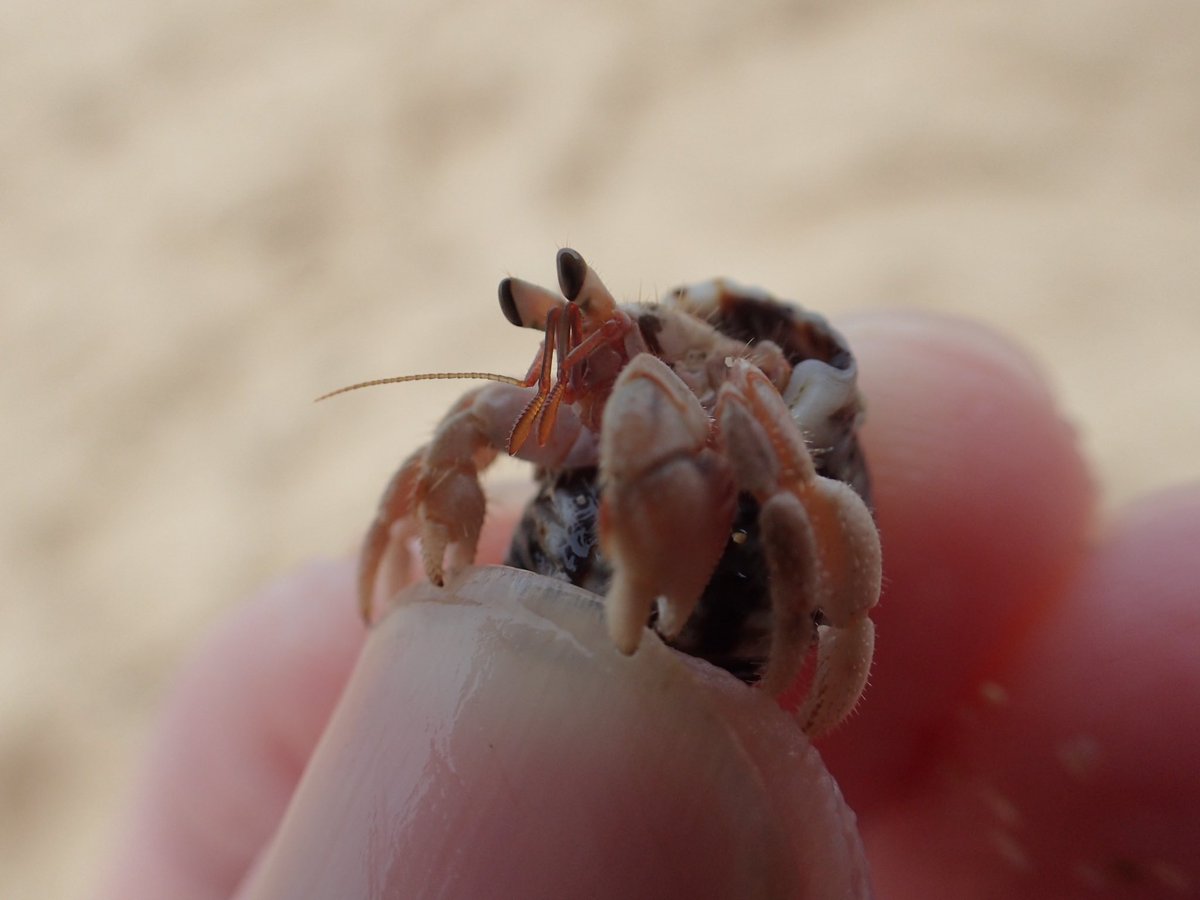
(212, 212)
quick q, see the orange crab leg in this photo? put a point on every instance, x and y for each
(609, 333)
(569, 363)
(564, 335)
(569, 328)
(549, 413)
(525, 422)
(534, 374)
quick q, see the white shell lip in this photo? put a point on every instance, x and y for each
(493, 742)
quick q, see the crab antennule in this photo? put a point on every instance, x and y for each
(529, 416)
(535, 369)
(549, 413)
(567, 331)
(427, 376)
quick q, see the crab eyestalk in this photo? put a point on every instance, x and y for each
(572, 272)
(527, 305)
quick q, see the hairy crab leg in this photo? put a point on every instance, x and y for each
(396, 505)
(822, 550)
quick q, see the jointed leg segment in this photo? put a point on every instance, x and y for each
(822, 550)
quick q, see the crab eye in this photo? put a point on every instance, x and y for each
(508, 303)
(572, 272)
(527, 305)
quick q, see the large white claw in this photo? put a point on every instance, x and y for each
(668, 500)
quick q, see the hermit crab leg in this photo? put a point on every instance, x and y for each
(572, 353)
(436, 494)
(525, 422)
(396, 505)
(568, 327)
(822, 550)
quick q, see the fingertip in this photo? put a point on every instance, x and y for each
(885, 339)
(984, 504)
(1073, 771)
(1116, 658)
(501, 746)
(963, 431)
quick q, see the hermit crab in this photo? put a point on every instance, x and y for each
(698, 466)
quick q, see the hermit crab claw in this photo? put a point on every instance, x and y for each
(667, 501)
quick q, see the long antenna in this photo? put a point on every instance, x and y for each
(429, 376)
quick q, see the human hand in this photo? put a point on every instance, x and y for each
(1030, 727)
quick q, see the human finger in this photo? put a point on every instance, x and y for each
(237, 730)
(493, 742)
(1074, 772)
(984, 505)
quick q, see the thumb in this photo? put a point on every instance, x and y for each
(492, 742)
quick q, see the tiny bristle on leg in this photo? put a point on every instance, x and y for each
(843, 666)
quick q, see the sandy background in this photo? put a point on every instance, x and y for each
(210, 212)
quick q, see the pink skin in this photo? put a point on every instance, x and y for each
(1030, 729)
